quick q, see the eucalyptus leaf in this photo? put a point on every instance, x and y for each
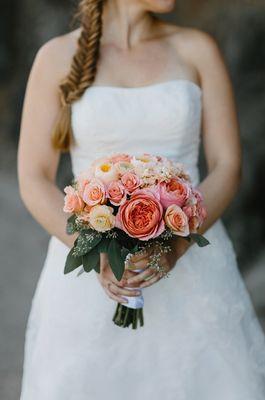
(199, 239)
(70, 226)
(91, 260)
(116, 259)
(86, 241)
(72, 262)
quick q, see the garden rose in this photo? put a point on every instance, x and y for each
(72, 201)
(130, 182)
(94, 193)
(141, 216)
(101, 218)
(177, 220)
(174, 191)
(116, 193)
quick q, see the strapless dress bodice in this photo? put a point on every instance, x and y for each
(162, 119)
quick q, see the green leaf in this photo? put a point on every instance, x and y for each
(134, 249)
(70, 226)
(115, 258)
(124, 252)
(86, 241)
(103, 245)
(72, 262)
(91, 260)
(199, 239)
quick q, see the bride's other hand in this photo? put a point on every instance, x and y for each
(149, 276)
(112, 287)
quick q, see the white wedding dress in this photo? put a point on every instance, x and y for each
(201, 339)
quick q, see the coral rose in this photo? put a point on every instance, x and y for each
(174, 192)
(72, 201)
(130, 181)
(177, 220)
(94, 193)
(116, 193)
(101, 218)
(141, 216)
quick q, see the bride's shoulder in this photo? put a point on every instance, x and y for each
(196, 45)
(55, 55)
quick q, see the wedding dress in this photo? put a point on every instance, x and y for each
(201, 339)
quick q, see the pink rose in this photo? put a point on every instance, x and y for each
(174, 192)
(130, 181)
(72, 201)
(177, 220)
(141, 216)
(116, 193)
(195, 210)
(94, 193)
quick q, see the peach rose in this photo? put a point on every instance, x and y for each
(130, 181)
(82, 180)
(101, 218)
(141, 216)
(94, 193)
(174, 192)
(72, 201)
(116, 193)
(177, 220)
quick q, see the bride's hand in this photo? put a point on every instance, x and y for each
(149, 276)
(112, 287)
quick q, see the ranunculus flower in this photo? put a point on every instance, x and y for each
(141, 216)
(101, 218)
(174, 192)
(177, 220)
(94, 193)
(116, 193)
(72, 201)
(130, 181)
(106, 172)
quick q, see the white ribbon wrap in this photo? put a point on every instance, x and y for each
(134, 302)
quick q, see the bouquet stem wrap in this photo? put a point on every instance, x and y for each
(132, 312)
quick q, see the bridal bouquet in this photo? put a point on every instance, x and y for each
(124, 204)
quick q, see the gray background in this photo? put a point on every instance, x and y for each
(26, 24)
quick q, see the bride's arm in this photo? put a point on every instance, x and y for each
(220, 133)
(37, 160)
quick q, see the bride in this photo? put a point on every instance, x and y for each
(127, 82)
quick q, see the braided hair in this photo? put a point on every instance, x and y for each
(82, 72)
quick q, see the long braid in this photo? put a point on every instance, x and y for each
(83, 69)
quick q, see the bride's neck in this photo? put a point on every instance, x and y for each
(125, 23)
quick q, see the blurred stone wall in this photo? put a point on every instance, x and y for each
(239, 28)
